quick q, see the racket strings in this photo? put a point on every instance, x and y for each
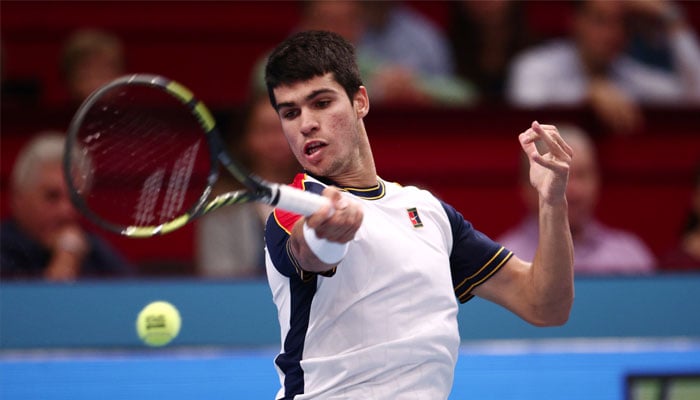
(148, 162)
(179, 182)
(148, 199)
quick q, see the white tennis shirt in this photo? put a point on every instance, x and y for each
(383, 324)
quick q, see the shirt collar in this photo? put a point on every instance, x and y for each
(368, 193)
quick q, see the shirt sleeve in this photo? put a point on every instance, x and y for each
(277, 232)
(474, 257)
(686, 55)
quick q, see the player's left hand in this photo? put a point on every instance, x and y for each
(549, 166)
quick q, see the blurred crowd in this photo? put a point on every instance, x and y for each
(611, 57)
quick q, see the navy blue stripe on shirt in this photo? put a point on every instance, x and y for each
(302, 293)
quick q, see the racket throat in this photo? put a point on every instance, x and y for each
(271, 195)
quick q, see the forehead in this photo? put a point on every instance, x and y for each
(42, 177)
(49, 173)
(300, 91)
(607, 9)
(584, 154)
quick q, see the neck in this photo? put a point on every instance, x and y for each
(362, 171)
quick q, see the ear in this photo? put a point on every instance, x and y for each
(361, 102)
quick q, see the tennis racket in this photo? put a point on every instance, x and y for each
(143, 154)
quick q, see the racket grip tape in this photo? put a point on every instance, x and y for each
(299, 201)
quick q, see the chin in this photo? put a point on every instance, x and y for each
(315, 169)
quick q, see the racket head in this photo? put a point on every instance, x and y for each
(141, 156)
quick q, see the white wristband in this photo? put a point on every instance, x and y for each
(326, 251)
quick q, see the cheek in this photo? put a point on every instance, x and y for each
(343, 128)
(582, 193)
(345, 119)
(47, 212)
(293, 142)
(37, 218)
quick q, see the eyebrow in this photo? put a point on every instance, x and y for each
(309, 97)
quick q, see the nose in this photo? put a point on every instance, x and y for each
(309, 123)
(65, 207)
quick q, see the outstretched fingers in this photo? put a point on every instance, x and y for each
(557, 153)
(550, 135)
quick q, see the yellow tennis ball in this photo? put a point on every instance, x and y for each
(158, 323)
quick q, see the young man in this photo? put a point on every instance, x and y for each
(367, 289)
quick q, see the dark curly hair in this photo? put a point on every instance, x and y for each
(309, 54)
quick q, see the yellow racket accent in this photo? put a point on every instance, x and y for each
(148, 231)
(227, 199)
(205, 117)
(180, 91)
(200, 110)
(175, 224)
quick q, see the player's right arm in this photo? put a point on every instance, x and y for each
(336, 224)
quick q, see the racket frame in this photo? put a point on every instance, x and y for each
(256, 188)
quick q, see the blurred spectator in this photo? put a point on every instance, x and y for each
(343, 17)
(230, 240)
(90, 59)
(390, 25)
(414, 60)
(485, 36)
(43, 237)
(598, 249)
(686, 256)
(403, 58)
(590, 67)
(648, 39)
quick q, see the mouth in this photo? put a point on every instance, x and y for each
(313, 147)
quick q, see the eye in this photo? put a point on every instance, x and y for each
(290, 114)
(52, 195)
(323, 103)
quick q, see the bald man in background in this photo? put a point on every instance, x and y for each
(598, 249)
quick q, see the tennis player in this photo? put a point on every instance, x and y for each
(367, 290)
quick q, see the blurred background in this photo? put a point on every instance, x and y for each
(464, 150)
(452, 84)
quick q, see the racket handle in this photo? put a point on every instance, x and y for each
(298, 201)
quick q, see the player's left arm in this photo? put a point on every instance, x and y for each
(541, 292)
